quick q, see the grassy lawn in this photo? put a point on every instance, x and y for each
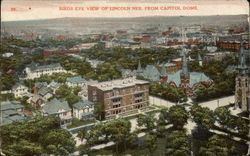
(137, 151)
(77, 122)
(132, 116)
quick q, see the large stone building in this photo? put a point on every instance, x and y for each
(242, 86)
(119, 97)
(35, 70)
(185, 79)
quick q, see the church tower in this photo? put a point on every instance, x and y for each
(242, 86)
(139, 71)
(185, 75)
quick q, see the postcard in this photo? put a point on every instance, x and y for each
(124, 77)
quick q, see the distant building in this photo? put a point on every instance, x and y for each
(231, 42)
(170, 67)
(122, 96)
(83, 110)
(242, 86)
(54, 86)
(76, 81)
(36, 101)
(217, 56)
(11, 111)
(185, 79)
(85, 46)
(19, 90)
(47, 53)
(46, 93)
(35, 71)
(7, 55)
(57, 108)
(38, 86)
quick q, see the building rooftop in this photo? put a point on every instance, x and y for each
(40, 84)
(34, 67)
(8, 105)
(83, 104)
(9, 112)
(54, 84)
(18, 85)
(45, 91)
(55, 106)
(195, 77)
(119, 83)
(76, 79)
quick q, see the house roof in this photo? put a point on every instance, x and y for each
(76, 79)
(83, 104)
(11, 105)
(151, 73)
(168, 64)
(55, 105)
(18, 85)
(35, 98)
(10, 119)
(195, 77)
(45, 91)
(40, 84)
(54, 84)
(33, 66)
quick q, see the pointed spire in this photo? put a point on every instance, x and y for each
(199, 57)
(164, 71)
(185, 65)
(242, 61)
(139, 68)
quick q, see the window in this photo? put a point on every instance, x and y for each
(116, 106)
(138, 101)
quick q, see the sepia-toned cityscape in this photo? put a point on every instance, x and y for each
(135, 86)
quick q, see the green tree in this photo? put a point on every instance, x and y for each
(148, 121)
(63, 91)
(37, 136)
(224, 118)
(202, 116)
(55, 142)
(216, 146)
(178, 116)
(82, 134)
(150, 143)
(99, 111)
(178, 143)
(120, 133)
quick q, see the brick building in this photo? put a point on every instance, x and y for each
(242, 83)
(120, 97)
(47, 53)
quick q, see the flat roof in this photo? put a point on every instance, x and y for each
(119, 83)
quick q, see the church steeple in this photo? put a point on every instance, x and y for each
(164, 71)
(139, 68)
(185, 65)
(185, 62)
(242, 67)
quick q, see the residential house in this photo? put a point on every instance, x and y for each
(38, 86)
(11, 111)
(76, 81)
(36, 101)
(83, 110)
(54, 86)
(58, 108)
(19, 90)
(46, 93)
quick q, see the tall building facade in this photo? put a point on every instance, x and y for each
(122, 96)
(242, 86)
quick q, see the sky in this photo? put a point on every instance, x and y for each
(16, 10)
